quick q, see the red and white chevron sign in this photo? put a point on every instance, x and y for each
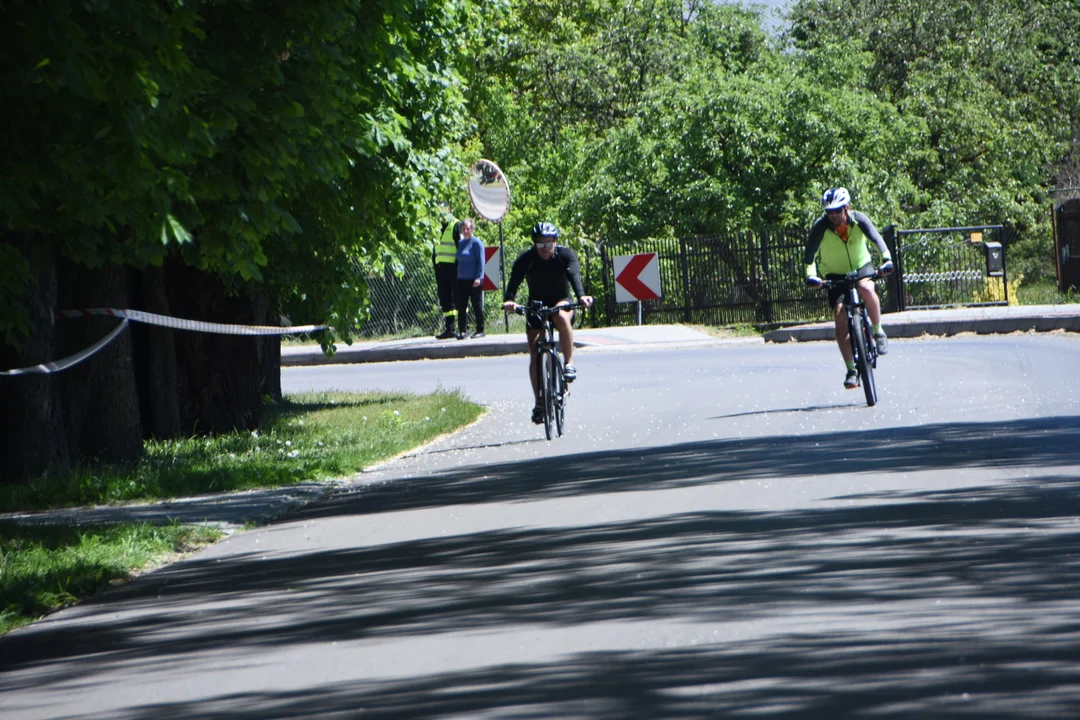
(637, 277)
(492, 269)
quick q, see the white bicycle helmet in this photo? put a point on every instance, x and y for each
(835, 198)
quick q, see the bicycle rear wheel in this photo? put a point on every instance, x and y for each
(863, 362)
(559, 393)
(546, 391)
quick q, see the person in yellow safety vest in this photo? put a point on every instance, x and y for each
(839, 243)
(444, 256)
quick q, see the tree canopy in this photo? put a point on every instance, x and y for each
(653, 117)
(272, 142)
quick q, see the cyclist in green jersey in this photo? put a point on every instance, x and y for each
(838, 244)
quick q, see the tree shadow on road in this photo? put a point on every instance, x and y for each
(954, 603)
(1042, 443)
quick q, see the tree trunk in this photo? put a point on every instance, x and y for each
(155, 355)
(33, 438)
(99, 394)
(268, 347)
(220, 378)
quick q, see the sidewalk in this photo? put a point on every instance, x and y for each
(952, 321)
(428, 348)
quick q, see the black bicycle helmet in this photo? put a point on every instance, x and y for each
(544, 229)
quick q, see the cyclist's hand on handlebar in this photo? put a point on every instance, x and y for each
(509, 306)
(813, 281)
(586, 300)
(886, 268)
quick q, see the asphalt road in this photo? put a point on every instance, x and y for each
(725, 532)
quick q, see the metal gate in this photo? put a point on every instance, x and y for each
(940, 267)
(1067, 244)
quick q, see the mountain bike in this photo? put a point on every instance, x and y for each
(550, 377)
(860, 332)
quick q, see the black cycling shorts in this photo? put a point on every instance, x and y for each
(836, 295)
(532, 322)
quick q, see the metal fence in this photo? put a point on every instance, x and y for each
(750, 277)
(405, 302)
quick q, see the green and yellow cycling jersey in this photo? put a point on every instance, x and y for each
(828, 254)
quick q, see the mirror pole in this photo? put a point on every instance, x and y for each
(502, 269)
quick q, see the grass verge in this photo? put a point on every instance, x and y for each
(307, 437)
(728, 331)
(46, 567)
(1045, 293)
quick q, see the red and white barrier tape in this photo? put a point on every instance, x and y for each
(70, 360)
(197, 325)
(152, 319)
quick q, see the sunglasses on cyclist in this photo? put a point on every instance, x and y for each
(544, 245)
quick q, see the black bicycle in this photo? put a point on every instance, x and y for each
(550, 376)
(860, 332)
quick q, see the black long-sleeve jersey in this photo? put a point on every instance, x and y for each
(549, 280)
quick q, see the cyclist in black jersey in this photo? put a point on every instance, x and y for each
(550, 270)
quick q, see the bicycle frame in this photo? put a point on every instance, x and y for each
(550, 378)
(860, 332)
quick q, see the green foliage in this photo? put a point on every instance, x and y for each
(993, 290)
(655, 118)
(993, 84)
(271, 143)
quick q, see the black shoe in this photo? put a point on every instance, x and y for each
(479, 334)
(538, 415)
(882, 343)
(851, 380)
(460, 336)
(446, 335)
(570, 373)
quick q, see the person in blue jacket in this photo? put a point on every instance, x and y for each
(470, 273)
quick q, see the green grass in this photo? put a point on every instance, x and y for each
(46, 567)
(1045, 293)
(307, 437)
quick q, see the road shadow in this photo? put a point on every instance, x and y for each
(955, 604)
(782, 411)
(1043, 443)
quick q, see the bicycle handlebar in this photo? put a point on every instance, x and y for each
(850, 279)
(545, 312)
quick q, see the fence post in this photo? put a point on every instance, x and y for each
(895, 281)
(609, 296)
(762, 282)
(686, 279)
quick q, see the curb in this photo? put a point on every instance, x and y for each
(908, 328)
(415, 352)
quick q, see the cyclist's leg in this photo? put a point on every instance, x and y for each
(563, 323)
(873, 309)
(533, 337)
(870, 299)
(843, 339)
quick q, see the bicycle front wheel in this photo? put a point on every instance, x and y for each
(559, 393)
(862, 361)
(547, 369)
